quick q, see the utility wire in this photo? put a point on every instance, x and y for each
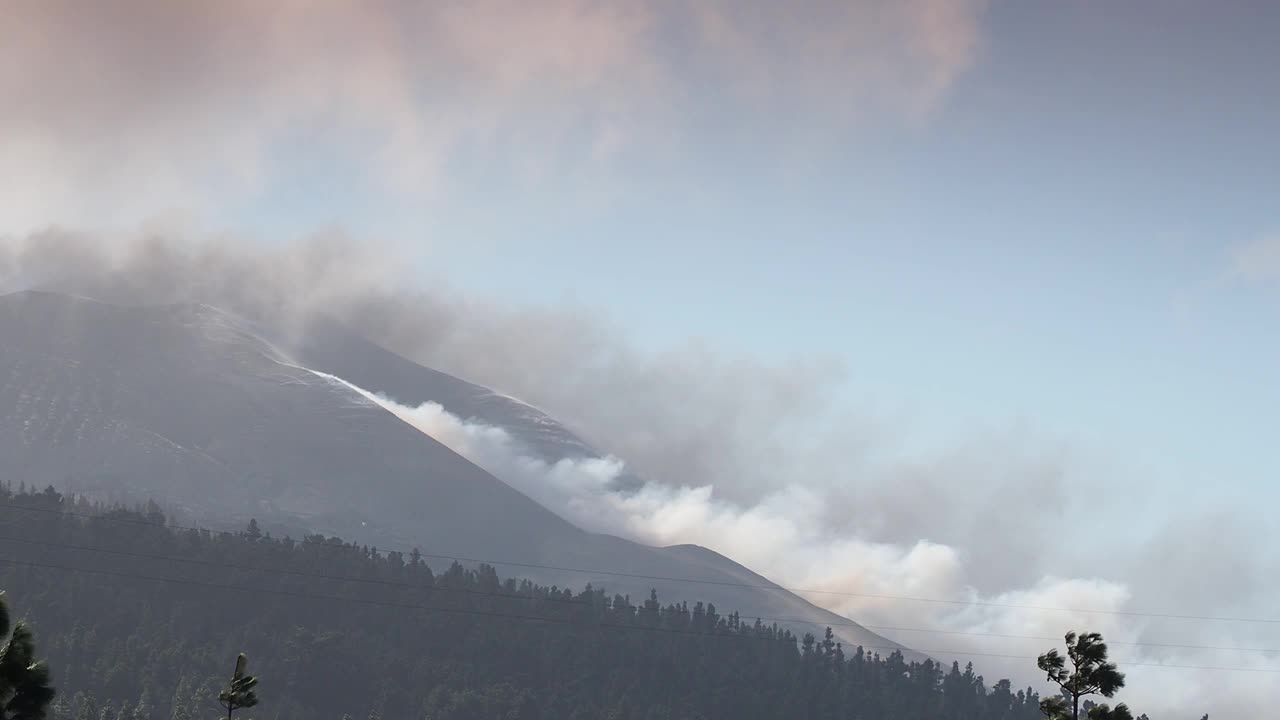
(530, 598)
(562, 621)
(884, 628)
(721, 583)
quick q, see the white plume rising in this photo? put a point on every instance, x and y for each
(868, 581)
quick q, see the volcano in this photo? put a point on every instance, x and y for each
(222, 420)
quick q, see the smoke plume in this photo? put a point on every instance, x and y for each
(884, 585)
(966, 552)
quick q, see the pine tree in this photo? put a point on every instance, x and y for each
(143, 710)
(88, 709)
(1090, 674)
(25, 688)
(239, 692)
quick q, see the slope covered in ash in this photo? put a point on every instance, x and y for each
(186, 404)
(331, 348)
(192, 406)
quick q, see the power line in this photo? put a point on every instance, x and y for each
(723, 583)
(884, 628)
(562, 621)
(411, 586)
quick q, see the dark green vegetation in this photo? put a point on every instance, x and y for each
(137, 620)
(1091, 673)
(25, 691)
(239, 692)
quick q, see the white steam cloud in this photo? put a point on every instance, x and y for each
(871, 581)
(117, 110)
(756, 462)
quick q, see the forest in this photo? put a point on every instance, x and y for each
(138, 620)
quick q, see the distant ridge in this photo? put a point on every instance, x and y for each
(196, 407)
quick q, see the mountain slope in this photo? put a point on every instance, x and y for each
(183, 403)
(190, 405)
(333, 349)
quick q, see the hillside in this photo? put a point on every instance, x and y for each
(192, 406)
(140, 622)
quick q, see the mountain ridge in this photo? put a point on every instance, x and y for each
(247, 429)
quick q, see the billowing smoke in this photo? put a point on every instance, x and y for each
(922, 594)
(760, 463)
(117, 110)
(688, 417)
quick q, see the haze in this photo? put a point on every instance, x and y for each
(886, 301)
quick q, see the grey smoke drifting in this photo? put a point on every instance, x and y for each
(115, 111)
(757, 462)
(686, 417)
(868, 580)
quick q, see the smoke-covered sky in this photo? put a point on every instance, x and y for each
(930, 298)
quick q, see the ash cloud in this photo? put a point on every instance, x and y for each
(756, 462)
(869, 580)
(116, 111)
(686, 416)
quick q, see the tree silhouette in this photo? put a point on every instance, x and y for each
(25, 690)
(1090, 674)
(239, 693)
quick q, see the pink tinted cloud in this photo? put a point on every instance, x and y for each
(840, 59)
(137, 105)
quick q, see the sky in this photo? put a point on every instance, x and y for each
(1035, 228)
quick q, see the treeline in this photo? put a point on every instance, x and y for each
(137, 621)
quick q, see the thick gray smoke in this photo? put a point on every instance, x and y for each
(114, 111)
(873, 581)
(686, 416)
(760, 463)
